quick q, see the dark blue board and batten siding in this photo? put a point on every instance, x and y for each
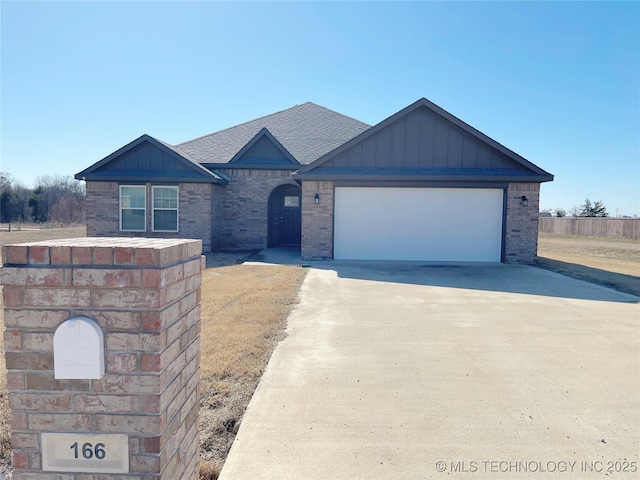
(423, 140)
(146, 157)
(263, 151)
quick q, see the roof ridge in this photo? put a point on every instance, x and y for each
(267, 116)
(243, 123)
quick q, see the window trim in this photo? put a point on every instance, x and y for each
(154, 209)
(121, 208)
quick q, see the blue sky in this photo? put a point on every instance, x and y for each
(558, 83)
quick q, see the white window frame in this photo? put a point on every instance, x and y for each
(121, 208)
(154, 209)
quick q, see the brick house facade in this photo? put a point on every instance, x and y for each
(301, 177)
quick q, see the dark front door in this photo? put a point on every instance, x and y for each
(285, 216)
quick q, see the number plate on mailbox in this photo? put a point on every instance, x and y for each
(86, 453)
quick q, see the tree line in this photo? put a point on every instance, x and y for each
(587, 209)
(55, 198)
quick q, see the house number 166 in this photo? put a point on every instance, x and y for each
(89, 451)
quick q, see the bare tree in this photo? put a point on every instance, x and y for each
(69, 209)
(560, 212)
(49, 191)
(575, 211)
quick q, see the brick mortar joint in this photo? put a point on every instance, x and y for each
(91, 266)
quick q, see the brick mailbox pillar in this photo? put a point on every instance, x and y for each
(137, 418)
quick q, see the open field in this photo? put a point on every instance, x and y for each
(37, 235)
(611, 262)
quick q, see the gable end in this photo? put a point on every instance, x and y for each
(263, 149)
(424, 140)
(148, 159)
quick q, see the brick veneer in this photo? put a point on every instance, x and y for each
(233, 217)
(145, 295)
(199, 213)
(245, 206)
(317, 221)
(521, 232)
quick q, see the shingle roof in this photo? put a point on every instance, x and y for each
(308, 131)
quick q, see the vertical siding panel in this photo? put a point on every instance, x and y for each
(499, 161)
(441, 144)
(348, 158)
(166, 161)
(469, 152)
(128, 160)
(484, 157)
(369, 152)
(122, 162)
(132, 160)
(355, 156)
(455, 149)
(155, 158)
(427, 133)
(341, 160)
(144, 158)
(412, 140)
(383, 145)
(397, 143)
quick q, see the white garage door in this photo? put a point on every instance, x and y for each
(431, 224)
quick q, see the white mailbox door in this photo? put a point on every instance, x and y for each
(78, 349)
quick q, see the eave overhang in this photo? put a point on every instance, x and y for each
(249, 166)
(407, 175)
(151, 176)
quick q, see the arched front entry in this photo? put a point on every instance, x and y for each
(285, 215)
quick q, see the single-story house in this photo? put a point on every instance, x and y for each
(420, 185)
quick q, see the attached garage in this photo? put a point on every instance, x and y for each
(421, 185)
(429, 224)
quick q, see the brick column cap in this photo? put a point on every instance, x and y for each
(102, 251)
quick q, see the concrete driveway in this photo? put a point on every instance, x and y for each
(410, 371)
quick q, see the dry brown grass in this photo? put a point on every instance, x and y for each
(610, 262)
(244, 311)
(24, 236)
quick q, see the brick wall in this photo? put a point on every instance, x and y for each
(145, 296)
(102, 202)
(245, 206)
(317, 221)
(199, 213)
(521, 232)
